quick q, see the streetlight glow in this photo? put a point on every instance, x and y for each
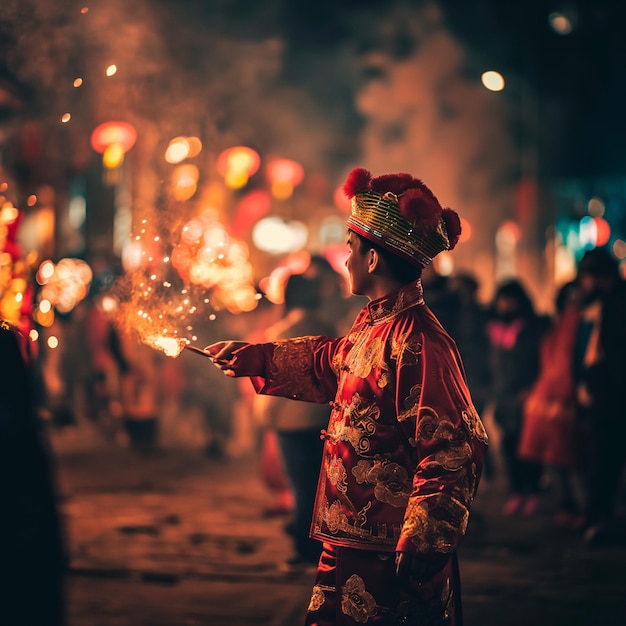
(492, 80)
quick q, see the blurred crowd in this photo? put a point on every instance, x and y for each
(550, 386)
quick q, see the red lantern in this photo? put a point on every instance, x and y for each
(284, 175)
(237, 164)
(285, 171)
(110, 133)
(251, 208)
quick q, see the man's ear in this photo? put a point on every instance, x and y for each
(373, 260)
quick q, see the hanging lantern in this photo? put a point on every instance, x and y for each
(284, 176)
(237, 164)
(113, 140)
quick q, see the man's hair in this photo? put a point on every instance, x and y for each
(400, 270)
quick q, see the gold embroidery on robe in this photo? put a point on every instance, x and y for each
(475, 424)
(356, 602)
(293, 356)
(335, 518)
(407, 348)
(317, 598)
(431, 426)
(385, 375)
(337, 475)
(360, 426)
(391, 481)
(411, 403)
(465, 485)
(365, 356)
(435, 522)
(454, 457)
(337, 521)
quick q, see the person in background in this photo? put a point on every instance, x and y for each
(140, 397)
(298, 425)
(33, 558)
(443, 300)
(514, 333)
(549, 433)
(338, 308)
(404, 446)
(468, 329)
(600, 373)
(271, 463)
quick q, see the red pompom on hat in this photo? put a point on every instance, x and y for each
(358, 180)
(393, 183)
(453, 226)
(400, 213)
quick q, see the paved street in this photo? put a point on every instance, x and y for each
(180, 540)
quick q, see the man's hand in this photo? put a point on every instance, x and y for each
(419, 568)
(226, 355)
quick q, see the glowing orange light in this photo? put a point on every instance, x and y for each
(195, 146)
(619, 249)
(342, 202)
(284, 176)
(32, 200)
(466, 230)
(45, 272)
(109, 133)
(111, 70)
(511, 230)
(44, 319)
(177, 150)
(113, 155)
(185, 181)
(603, 231)
(237, 164)
(8, 214)
(561, 23)
(170, 346)
(65, 118)
(45, 306)
(595, 207)
(78, 82)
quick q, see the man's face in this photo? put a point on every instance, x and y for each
(357, 264)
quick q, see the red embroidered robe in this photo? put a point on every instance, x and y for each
(404, 447)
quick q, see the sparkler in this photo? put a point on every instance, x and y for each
(172, 346)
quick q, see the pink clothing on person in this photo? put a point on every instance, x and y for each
(548, 427)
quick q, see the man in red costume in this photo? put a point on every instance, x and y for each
(404, 448)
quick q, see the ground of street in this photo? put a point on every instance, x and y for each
(180, 539)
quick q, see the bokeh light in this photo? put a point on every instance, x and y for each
(284, 175)
(561, 23)
(595, 207)
(492, 80)
(237, 164)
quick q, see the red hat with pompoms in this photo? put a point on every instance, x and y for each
(401, 214)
